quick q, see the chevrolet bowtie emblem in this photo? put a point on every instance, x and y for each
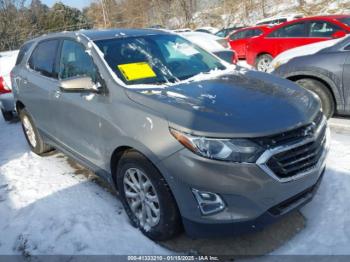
(309, 131)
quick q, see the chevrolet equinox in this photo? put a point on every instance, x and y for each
(189, 141)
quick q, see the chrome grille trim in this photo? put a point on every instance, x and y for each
(265, 157)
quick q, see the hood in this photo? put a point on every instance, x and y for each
(240, 104)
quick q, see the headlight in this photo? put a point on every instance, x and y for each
(276, 65)
(234, 150)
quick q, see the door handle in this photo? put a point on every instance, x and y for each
(57, 94)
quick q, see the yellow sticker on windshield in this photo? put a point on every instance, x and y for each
(136, 71)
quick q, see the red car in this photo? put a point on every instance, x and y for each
(239, 39)
(3, 88)
(262, 49)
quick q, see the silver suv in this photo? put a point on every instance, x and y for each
(188, 140)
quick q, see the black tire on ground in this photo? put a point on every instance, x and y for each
(318, 88)
(39, 147)
(7, 115)
(263, 62)
(169, 224)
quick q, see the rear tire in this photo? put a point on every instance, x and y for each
(7, 115)
(32, 135)
(150, 204)
(318, 88)
(263, 62)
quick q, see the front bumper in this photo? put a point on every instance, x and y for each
(253, 196)
(197, 229)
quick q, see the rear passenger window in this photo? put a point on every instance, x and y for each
(43, 58)
(75, 62)
(256, 32)
(238, 35)
(22, 52)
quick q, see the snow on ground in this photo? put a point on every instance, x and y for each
(327, 228)
(47, 208)
(244, 64)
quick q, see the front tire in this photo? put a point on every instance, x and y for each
(147, 198)
(318, 88)
(32, 135)
(263, 62)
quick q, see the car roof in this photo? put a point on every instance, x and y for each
(199, 34)
(265, 29)
(120, 32)
(254, 27)
(320, 17)
(100, 34)
(286, 16)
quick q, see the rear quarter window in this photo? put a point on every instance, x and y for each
(22, 52)
(322, 29)
(43, 58)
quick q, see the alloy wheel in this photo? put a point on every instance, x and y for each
(264, 64)
(29, 130)
(142, 198)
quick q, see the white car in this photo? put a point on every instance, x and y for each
(278, 19)
(207, 29)
(182, 30)
(304, 50)
(7, 62)
(212, 43)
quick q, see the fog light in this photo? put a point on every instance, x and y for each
(208, 202)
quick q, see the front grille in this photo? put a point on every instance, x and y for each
(288, 137)
(298, 159)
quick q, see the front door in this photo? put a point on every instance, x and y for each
(79, 122)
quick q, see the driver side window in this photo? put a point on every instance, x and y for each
(237, 35)
(75, 62)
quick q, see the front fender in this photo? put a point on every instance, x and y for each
(333, 81)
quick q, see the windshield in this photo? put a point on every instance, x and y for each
(345, 20)
(156, 59)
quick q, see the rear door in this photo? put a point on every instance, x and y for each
(38, 83)
(287, 37)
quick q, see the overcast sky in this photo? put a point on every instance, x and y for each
(74, 3)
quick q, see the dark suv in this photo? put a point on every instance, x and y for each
(188, 140)
(325, 73)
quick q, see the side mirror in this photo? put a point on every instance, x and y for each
(80, 84)
(338, 34)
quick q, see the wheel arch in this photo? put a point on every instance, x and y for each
(328, 83)
(119, 151)
(260, 54)
(19, 106)
(115, 158)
